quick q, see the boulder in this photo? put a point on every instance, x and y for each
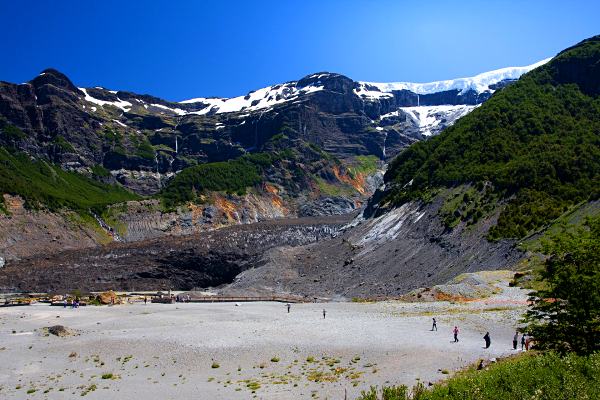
(109, 297)
(60, 331)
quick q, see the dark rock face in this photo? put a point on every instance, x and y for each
(201, 260)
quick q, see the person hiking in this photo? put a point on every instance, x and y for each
(324, 313)
(434, 326)
(515, 340)
(288, 305)
(455, 331)
(145, 300)
(523, 341)
(487, 339)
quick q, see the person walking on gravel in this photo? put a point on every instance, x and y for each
(515, 340)
(455, 331)
(488, 340)
(288, 305)
(324, 313)
(523, 341)
(434, 326)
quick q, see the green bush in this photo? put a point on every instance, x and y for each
(541, 377)
(565, 314)
(145, 149)
(100, 171)
(12, 133)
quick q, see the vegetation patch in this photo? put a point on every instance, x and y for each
(365, 165)
(63, 144)
(233, 176)
(43, 184)
(531, 376)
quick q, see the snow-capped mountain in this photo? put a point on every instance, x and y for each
(484, 83)
(143, 140)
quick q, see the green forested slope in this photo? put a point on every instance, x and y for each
(43, 184)
(537, 142)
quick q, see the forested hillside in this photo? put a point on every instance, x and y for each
(534, 145)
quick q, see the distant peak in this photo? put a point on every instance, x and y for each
(51, 76)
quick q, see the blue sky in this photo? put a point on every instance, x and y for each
(182, 49)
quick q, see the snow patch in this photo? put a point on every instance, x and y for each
(480, 83)
(177, 111)
(122, 104)
(387, 227)
(120, 123)
(256, 100)
(368, 93)
(428, 118)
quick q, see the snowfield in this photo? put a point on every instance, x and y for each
(480, 83)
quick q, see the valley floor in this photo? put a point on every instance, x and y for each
(224, 351)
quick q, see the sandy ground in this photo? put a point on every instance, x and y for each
(158, 351)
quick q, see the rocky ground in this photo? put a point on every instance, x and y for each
(200, 260)
(317, 257)
(404, 249)
(224, 351)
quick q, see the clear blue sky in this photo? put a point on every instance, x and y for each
(182, 49)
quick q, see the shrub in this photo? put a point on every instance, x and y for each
(565, 313)
(540, 376)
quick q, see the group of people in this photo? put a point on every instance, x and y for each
(525, 339)
(74, 303)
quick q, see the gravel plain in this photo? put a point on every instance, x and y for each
(250, 350)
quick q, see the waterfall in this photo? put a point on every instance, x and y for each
(384, 140)
(157, 171)
(176, 149)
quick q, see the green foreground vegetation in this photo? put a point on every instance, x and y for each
(535, 143)
(565, 312)
(43, 184)
(547, 376)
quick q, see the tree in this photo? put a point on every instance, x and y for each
(565, 315)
